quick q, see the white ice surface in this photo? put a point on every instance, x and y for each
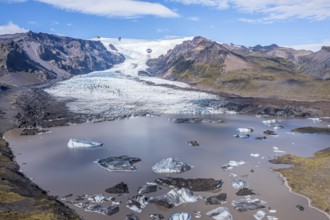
(171, 165)
(180, 216)
(220, 213)
(83, 143)
(119, 91)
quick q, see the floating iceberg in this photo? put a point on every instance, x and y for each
(107, 210)
(239, 183)
(171, 165)
(175, 197)
(217, 200)
(199, 184)
(259, 215)
(254, 155)
(98, 198)
(232, 164)
(272, 123)
(137, 203)
(147, 188)
(315, 120)
(248, 203)
(269, 217)
(83, 143)
(220, 213)
(132, 217)
(121, 163)
(245, 130)
(156, 216)
(277, 150)
(180, 216)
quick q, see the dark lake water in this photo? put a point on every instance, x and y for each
(47, 159)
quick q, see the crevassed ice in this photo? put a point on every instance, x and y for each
(120, 91)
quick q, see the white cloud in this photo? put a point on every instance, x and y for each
(193, 18)
(11, 28)
(13, 1)
(33, 22)
(162, 30)
(267, 11)
(68, 24)
(220, 4)
(311, 46)
(114, 8)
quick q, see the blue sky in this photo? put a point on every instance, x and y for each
(302, 23)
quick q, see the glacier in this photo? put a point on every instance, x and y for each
(120, 91)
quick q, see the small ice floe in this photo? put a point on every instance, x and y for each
(239, 183)
(98, 198)
(104, 210)
(254, 155)
(196, 120)
(219, 199)
(245, 192)
(137, 203)
(220, 213)
(156, 216)
(83, 143)
(270, 132)
(193, 143)
(232, 175)
(180, 216)
(259, 215)
(121, 163)
(269, 217)
(277, 150)
(232, 164)
(272, 123)
(175, 197)
(171, 165)
(147, 188)
(248, 203)
(272, 211)
(132, 216)
(315, 120)
(197, 214)
(243, 132)
(119, 188)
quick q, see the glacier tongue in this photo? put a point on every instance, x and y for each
(119, 91)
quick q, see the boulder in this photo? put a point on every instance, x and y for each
(199, 184)
(121, 163)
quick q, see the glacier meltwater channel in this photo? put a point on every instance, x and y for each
(119, 91)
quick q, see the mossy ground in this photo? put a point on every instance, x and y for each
(20, 199)
(309, 177)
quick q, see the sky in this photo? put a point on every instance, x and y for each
(302, 24)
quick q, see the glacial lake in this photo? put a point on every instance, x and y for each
(47, 160)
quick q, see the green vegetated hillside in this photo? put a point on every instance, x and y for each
(270, 71)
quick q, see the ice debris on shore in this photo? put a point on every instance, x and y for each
(175, 197)
(171, 165)
(180, 216)
(315, 120)
(121, 163)
(83, 143)
(220, 213)
(231, 164)
(276, 150)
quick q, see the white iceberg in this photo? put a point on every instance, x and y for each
(239, 184)
(232, 163)
(220, 213)
(171, 165)
(248, 203)
(137, 203)
(269, 217)
(83, 143)
(175, 197)
(278, 151)
(254, 155)
(180, 216)
(245, 130)
(98, 198)
(259, 215)
(315, 120)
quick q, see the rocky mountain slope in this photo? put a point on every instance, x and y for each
(270, 71)
(30, 58)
